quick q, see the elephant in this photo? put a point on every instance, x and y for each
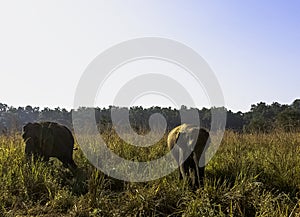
(191, 143)
(49, 139)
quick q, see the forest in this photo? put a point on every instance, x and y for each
(261, 117)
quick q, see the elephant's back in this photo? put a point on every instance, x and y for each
(62, 135)
(188, 129)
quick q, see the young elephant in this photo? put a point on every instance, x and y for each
(186, 137)
(49, 139)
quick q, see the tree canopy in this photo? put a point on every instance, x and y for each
(261, 117)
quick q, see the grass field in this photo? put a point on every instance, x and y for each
(250, 175)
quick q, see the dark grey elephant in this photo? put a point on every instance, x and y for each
(49, 139)
(185, 136)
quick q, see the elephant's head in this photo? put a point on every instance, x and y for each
(30, 136)
(187, 138)
(36, 135)
(31, 131)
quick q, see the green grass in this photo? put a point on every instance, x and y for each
(250, 175)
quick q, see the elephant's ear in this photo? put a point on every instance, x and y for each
(182, 136)
(27, 127)
(177, 134)
(26, 130)
(173, 137)
(204, 136)
(205, 133)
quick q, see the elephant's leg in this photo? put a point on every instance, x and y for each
(175, 153)
(36, 157)
(31, 156)
(188, 171)
(29, 147)
(185, 164)
(64, 161)
(184, 168)
(179, 174)
(201, 175)
(28, 151)
(193, 171)
(68, 163)
(72, 164)
(45, 158)
(182, 171)
(201, 170)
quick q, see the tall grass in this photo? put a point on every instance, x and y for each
(250, 175)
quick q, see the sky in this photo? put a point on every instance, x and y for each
(253, 47)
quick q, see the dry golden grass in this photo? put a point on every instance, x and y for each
(250, 175)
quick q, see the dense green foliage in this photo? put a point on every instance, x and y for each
(260, 118)
(250, 175)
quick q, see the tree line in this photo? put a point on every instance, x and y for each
(262, 117)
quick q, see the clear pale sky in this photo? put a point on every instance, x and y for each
(252, 46)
